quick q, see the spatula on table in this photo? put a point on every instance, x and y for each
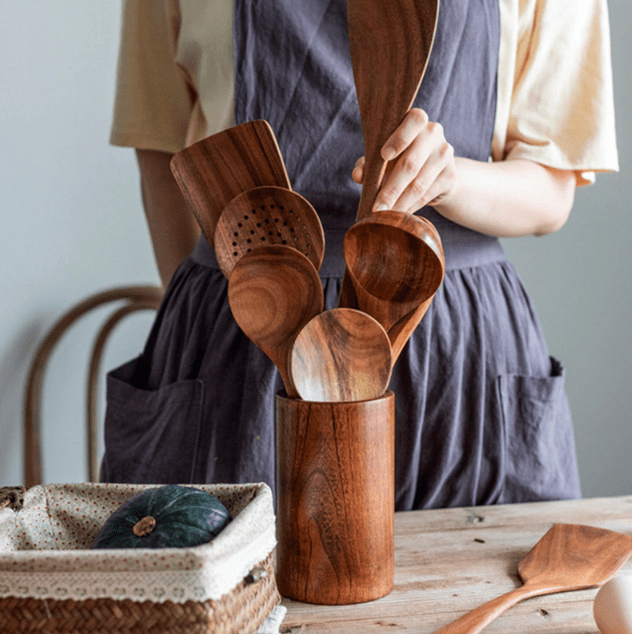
(568, 557)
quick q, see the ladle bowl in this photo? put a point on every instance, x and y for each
(395, 261)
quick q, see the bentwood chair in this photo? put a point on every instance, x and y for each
(131, 299)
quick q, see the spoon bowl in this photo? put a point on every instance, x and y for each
(341, 355)
(273, 292)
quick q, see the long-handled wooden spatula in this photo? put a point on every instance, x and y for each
(390, 45)
(568, 557)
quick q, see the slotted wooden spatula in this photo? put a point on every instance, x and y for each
(213, 171)
(568, 557)
(265, 216)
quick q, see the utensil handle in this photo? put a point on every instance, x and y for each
(375, 168)
(473, 622)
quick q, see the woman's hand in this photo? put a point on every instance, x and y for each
(507, 198)
(422, 169)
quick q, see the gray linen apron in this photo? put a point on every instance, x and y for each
(481, 412)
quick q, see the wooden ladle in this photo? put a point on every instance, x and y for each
(396, 262)
(265, 216)
(273, 292)
(568, 557)
(213, 171)
(341, 355)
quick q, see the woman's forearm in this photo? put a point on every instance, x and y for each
(509, 198)
(172, 227)
(506, 199)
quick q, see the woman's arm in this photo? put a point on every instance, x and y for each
(172, 226)
(506, 199)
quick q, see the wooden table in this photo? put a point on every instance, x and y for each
(452, 560)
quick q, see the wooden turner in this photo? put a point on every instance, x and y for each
(390, 45)
(213, 171)
(568, 557)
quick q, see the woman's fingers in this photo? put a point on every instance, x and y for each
(409, 129)
(435, 177)
(421, 165)
(412, 181)
(358, 170)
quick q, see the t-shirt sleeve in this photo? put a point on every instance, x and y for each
(561, 111)
(154, 101)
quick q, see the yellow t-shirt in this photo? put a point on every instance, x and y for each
(555, 106)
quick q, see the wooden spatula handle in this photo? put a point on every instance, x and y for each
(474, 621)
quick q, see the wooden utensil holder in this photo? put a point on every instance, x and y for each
(335, 499)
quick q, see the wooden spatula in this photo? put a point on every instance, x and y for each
(213, 171)
(390, 45)
(273, 292)
(568, 557)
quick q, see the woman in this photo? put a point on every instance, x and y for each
(515, 110)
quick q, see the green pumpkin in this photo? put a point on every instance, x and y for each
(171, 516)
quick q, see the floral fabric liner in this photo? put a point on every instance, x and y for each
(45, 547)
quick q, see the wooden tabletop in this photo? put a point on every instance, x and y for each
(449, 561)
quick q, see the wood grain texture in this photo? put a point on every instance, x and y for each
(335, 492)
(211, 172)
(390, 45)
(341, 355)
(399, 333)
(568, 557)
(273, 292)
(266, 216)
(450, 561)
(396, 263)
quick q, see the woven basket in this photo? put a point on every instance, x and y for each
(241, 610)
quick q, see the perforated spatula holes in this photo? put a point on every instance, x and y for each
(267, 216)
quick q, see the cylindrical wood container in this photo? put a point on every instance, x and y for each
(335, 499)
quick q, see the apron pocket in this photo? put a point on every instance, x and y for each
(140, 424)
(540, 461)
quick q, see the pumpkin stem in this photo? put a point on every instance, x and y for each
(144, 527)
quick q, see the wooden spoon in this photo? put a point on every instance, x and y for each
(213, 171)
(273, 292)
(395, 261)
(341, 355)
(568, 557)
(390, 46)
(263, 216)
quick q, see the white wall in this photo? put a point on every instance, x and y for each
(71, 218)
(72, 225)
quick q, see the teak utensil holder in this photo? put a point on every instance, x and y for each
(335, 499)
